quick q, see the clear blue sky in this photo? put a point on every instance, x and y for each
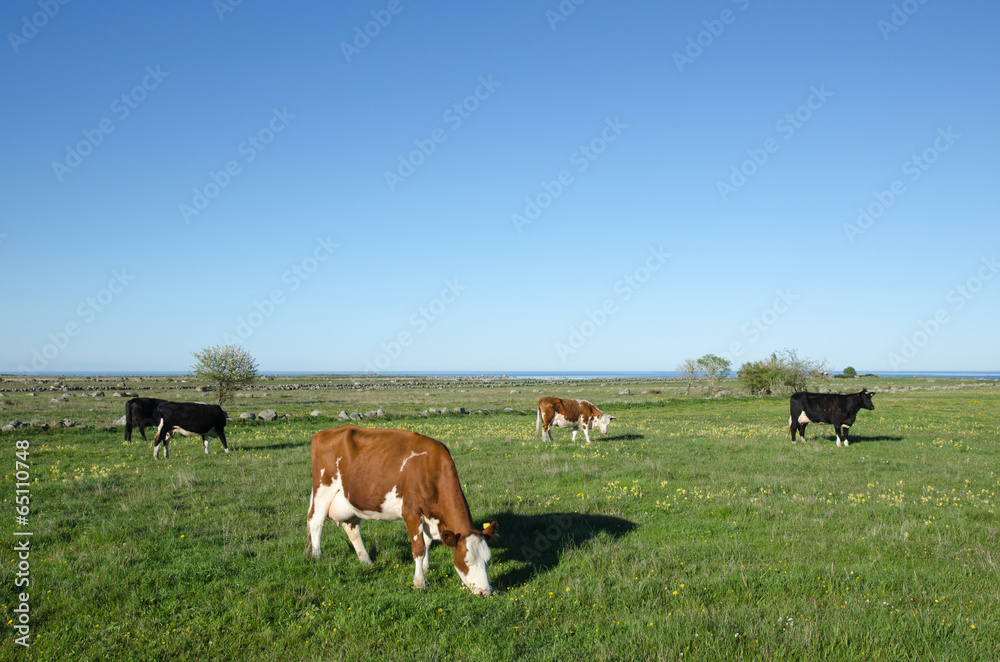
(185, 174)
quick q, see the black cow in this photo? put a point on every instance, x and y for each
(835, 408)
(140, 413)
(189, 419)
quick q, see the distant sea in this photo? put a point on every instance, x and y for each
(525, 374)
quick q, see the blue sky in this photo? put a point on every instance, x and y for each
(413, 186)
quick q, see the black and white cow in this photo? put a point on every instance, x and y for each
(833, 408)
(189, 419)
(140, 413)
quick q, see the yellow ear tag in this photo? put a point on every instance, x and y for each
(486, 525)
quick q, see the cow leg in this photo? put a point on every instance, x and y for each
(421, 550)
(802, 430)
(353, 531)
(586, 435)
(166, 447)
(156, 450)
(792, 427)
(222, 438)
(573, 438)
(845, 428)
(205, 440)
(319, 509)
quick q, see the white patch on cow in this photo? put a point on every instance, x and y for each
(803, 419)
(321, 504)
(321, 472)
(477, 555)
(413, 454)
(431, 528)
(561, 421)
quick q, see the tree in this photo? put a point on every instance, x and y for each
(714, 367)
(688, 369)
(228, 368)
(850, 372)
(783, 372)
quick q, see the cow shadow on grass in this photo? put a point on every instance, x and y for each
(532, 544)
(858, 439)
(627, 436)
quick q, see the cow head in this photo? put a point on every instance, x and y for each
(866, 399)
(603, 421)
(472, 554)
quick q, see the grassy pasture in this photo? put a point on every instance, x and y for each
(693, 530)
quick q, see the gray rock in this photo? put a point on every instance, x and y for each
(514, 391)
(343, 416)
(69, 423)
(459, 410)
(724, 394)
(444, 410)
(432, 410)
(97, 394)
(355, 416)
(380, 412)
(116, 394)
(315, 412)
(57, 400)
(13, 425)
(119, 421)
(248, 416)
(479, 411)
(508, 409)
(625, 392)
(268, 415)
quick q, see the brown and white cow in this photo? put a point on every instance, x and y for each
(396, 474)
(576, 414)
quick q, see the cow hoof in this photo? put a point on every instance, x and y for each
(419, 587)
(227, 450)
(847, 443)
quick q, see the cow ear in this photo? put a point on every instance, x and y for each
(490, 531)
(449, 538)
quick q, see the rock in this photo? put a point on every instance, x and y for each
(724, 394)
(514, 391)
(82, 427)
(57, 400)
(56, 426)
(116, 394)
(248, 416)
(315, 412)
(355, 416)
(459, 410)
(444, 410)
(380, 412)
(130, 394)
(202, 389)
(625, 392)
(479, 411)
(268, 415)
(69, 423)
(343, 416)
(97, 394)
(432, 410)
(508, 409)
(13, 425)
(119, 421)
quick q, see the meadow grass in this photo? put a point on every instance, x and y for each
(694, 530)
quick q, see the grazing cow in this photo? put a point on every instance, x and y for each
(189, 419)
(396, 474)
(840, 410)
(576, 414)
(140, 413)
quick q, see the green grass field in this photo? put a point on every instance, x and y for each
(693, 530)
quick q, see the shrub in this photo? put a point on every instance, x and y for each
(783, 372)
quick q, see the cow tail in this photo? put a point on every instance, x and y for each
(538, 423)
(128, 423)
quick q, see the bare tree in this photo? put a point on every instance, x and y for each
(714, 367)
(688, 369)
